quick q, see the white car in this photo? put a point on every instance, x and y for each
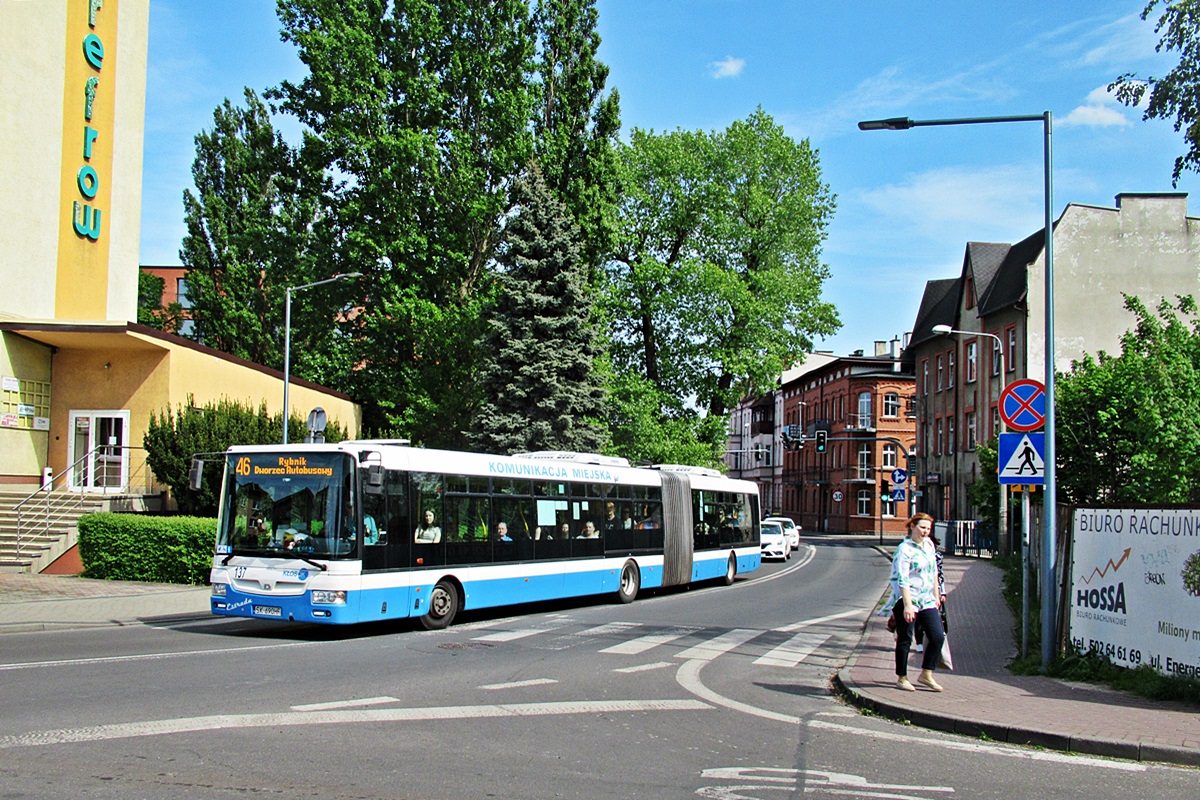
(791, 529)
(775, 542)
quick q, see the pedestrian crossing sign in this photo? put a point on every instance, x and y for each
(1021, 458)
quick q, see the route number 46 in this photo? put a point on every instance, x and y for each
(243, 466)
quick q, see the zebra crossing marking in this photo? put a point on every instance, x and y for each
(793, 651)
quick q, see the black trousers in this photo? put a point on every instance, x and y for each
(929, 621)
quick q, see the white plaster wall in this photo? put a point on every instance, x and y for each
(32, 71)
(1147, 247)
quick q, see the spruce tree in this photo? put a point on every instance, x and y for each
(541, 382)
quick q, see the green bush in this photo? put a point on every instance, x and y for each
(136, 547)
(1191, 574)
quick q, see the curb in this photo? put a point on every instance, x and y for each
(1030, 737)
(38, 627)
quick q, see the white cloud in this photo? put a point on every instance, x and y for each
(729, 67)
(1121, 43)
(960, 204)
(1095, 116)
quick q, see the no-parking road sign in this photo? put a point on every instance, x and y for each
(1023, 405)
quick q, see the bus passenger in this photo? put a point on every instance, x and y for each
(502, 532)
(626, 518)
(589, 531)
(564, 531)
(428, 533)
(610, 517)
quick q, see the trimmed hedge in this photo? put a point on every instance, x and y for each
(136, 547)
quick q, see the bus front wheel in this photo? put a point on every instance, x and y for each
(631, 581)
(443, 605)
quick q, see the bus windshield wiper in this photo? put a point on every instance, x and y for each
(316, 564)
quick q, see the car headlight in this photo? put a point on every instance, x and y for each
(328, 597)
(218, 589)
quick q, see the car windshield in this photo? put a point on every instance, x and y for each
(771, 529)
(294, 504)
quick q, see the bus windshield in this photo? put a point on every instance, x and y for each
(294, 504)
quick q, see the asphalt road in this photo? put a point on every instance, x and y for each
(716, 692)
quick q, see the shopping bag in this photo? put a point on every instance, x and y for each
(944, 659)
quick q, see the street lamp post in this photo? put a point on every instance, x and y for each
(946, 330)
(1049, 526)
(287, 337)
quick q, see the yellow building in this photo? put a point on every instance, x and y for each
(76, 376)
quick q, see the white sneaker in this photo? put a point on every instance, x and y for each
(920, 648)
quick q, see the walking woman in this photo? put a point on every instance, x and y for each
(915, 598)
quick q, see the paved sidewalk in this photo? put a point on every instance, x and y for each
(982, 698)
(46, 602)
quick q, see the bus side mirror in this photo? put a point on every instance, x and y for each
(375, 478)
(196, 474)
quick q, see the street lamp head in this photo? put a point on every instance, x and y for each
(944, 330)
(893, 124)
(348, 275)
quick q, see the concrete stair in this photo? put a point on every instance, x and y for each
(50, 526)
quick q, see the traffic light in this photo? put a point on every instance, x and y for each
(822, 440)
(885, 490)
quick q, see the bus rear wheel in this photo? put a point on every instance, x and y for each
(730, 570)
(631, 581)
(443, 605)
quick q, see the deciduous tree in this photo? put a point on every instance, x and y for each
(1129, 425)
(1173, 96)
(716, 283)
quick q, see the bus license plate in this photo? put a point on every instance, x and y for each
(268, 611)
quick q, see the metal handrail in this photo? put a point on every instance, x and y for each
(46, 489)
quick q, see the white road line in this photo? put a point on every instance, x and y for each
(66, 662)
(794, 650)
(219, 722)
(366, 701)
(511, 636)
(805, 623)
(646, 667)
(611, 627)
(519, 684)
(707, 651)
(643, 643)
(688, 677)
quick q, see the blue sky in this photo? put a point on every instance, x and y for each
(908, 202)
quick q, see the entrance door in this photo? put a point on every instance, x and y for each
(98, 451)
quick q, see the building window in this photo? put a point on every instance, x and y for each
(181, 293)
(950, 369)
(864, 462)
(995, 420)
(970, 425)
(970, 299)
(1012, 349)
(891, 404)
(889, 456)
(950, 435)
(864, 410)
(925, 376)
(941, 436)
(972, 358)
(864, 503)
(25, 404)
(188, 328)
(940, 382)
(995, 357)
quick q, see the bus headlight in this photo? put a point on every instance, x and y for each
(328, 597)
(218, 589)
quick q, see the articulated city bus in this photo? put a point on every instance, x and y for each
(376, 530)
